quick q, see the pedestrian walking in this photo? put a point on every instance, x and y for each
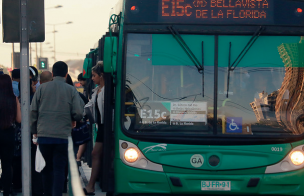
(82, 147)
(10, 113)
(34, 76)
(55, 105)
(17, 162)
(46, 76)
(80, 134)
(83, 83)
(32, 90)
(96, 107)
(16, 81)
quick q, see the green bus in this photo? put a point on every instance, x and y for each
(204, 97)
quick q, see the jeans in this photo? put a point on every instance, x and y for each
(7, 145)
(53, 175)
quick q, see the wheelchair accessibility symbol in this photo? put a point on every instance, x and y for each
(234, 125)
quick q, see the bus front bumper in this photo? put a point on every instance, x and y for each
(136, 181)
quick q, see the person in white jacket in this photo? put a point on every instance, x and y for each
(96, 107)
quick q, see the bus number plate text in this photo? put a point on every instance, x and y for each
(216, 186)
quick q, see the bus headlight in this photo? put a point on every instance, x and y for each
(131, 155)
(293, 161)
(297, 157)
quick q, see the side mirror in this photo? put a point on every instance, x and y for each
(110, 55)
(89, 63)
(87, 66)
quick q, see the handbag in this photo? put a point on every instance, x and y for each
(81, 133)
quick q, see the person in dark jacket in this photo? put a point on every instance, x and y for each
(84, 83)
(17, 172)
(78, 149)
(32, 91)
(16, 81)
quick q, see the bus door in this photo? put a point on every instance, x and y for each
(107, 171)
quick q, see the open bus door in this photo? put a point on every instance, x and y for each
(107, 175)
(89, 62)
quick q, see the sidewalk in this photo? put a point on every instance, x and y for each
(87, 173)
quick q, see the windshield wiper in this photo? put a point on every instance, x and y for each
(186, 48)
(188, 51)
(240, 57)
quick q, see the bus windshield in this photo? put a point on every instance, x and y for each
(165, 93)
(165, 87)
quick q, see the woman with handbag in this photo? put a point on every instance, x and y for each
(10, 112)
(96, 108)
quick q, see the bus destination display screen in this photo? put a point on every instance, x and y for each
(217, 11)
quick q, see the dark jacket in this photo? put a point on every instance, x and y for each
(54, 106)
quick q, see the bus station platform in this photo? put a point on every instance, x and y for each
(85, 174)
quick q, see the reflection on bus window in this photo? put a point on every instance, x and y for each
(265, 94)
(165, 92)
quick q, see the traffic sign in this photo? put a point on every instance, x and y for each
(11, 21)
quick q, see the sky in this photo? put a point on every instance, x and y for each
(90, 19)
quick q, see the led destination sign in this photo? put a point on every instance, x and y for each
(244, 11)
(215, 12)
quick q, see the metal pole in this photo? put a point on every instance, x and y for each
(25, 101)
(54, 46)
(40, 49)
(36, 56)
(13, 50)
(30, 54)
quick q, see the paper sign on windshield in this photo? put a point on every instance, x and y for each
(188, 113)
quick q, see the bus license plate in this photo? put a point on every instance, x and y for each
(216, 185)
